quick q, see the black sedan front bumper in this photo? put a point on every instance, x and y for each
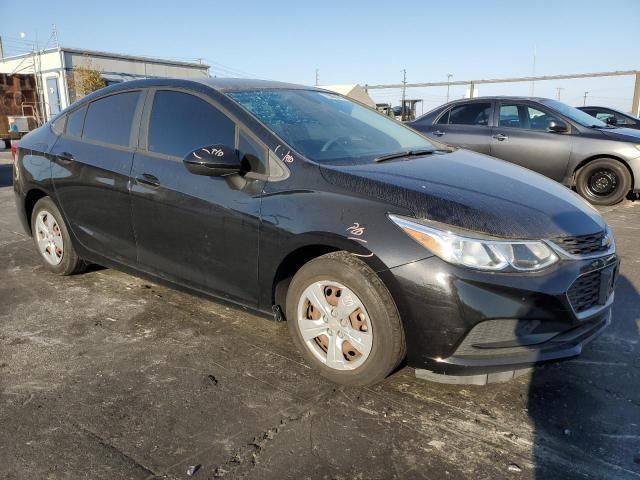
(464, 322)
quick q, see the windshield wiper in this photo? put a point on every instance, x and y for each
(405, 153)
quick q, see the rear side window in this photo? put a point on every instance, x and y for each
(109, 119)
(181, 122)
(471, 114)
(75, 122)
(59, 124)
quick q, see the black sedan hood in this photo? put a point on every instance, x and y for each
(622, 134)
(474, 192)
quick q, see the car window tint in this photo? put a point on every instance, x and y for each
(181, 122)
(109, 119)
(444, 119)
(509, 116)
(59, 124)
(604, 116)
(75, 122)
(471, 114)
(537, 119)
(252, 153)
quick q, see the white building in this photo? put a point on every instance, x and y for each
(52, 69)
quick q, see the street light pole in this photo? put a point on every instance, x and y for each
(449, 77)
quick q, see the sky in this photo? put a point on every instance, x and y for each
(366, 42)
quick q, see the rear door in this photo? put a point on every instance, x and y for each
(521, 136)
(92, 162)
(196, 230)
(465, 125)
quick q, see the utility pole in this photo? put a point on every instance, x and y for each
(533, 83)
(404, 91)
(54, 33)
(559, 89)
(584, 100)
(1, 50)
(317, 76)
(449, 76)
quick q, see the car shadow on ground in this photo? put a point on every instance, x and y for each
(6, 175)
(571, 403)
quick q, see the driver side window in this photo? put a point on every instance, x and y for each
(525, 117)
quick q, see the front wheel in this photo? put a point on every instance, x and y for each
(604, 181)
(344, 320)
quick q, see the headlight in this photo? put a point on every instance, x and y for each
(495, 255)
(637, 146)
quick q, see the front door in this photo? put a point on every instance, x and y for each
(196, 230)
(91, 167)
(522, 137)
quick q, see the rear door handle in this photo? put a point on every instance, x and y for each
(500, 137)
(438, 133)
(148, 179)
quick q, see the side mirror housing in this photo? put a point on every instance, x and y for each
(612, 120)
(558, 126)
(213, 161)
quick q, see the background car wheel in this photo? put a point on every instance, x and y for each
(344, 320)
(52, 240)
(604, 181)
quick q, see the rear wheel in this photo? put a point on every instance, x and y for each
(52, 240)
(344, 320)
(604, 181)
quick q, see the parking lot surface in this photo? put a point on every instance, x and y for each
(108, 376)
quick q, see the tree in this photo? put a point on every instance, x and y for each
(85, 79)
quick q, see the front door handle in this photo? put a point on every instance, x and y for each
(148, 179)
(65, 157)
(500, 137)
(438, 133)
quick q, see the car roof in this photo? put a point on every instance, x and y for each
(222, 85)
(219, 84)
(500, 97)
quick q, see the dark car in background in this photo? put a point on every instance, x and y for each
(374, 243)
(570, 146)
(613, 117)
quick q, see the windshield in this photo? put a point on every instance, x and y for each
(327, 127)
(574, 114)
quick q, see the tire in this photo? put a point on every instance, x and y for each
(364, 310)
(604, 181)
(47, 225)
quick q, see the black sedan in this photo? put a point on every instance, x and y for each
(374, 243)
(612, 117)
(600, 161)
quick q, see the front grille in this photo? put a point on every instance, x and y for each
(582, 245)
(585, 291)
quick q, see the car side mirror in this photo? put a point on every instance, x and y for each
(213, 161)
(557, 126)
(612, 121)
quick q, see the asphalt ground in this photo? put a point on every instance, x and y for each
(107, 376)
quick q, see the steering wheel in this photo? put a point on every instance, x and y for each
(333, 142)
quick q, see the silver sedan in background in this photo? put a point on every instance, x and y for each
(601, 161)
